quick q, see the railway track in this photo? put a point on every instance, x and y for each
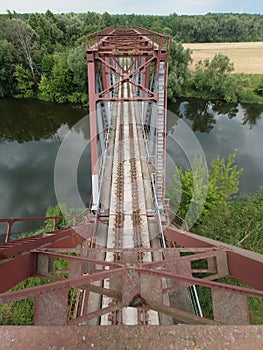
(128, 226)
(129, 195)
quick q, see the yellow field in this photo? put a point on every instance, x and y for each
(247, 57)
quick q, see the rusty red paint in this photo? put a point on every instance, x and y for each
(136, 337)
(51, 309)
(247, 268)
(64, 238)
(16, 270)
(135, 281)
(230, 307)
(11, 221)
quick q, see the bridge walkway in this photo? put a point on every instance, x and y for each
(127, 204)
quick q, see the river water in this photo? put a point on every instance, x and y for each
(31, 133)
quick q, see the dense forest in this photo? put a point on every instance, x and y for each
(41, 55)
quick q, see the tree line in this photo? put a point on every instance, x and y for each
(42, 55)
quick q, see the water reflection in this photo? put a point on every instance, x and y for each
(30, 135)
(32, 120)
(252, 114)
(203, 113)
(222, 127)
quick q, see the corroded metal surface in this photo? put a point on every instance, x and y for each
(242, 264)
(132, 337)
(128, 280)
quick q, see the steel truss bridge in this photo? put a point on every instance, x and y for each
(132, 266)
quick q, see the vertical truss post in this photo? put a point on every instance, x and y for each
(160, 163)
(93, 128)
(100, 112)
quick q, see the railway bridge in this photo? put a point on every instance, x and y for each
(131, 265)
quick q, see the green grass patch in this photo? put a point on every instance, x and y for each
(247, 84)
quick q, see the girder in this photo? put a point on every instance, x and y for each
(146, 51)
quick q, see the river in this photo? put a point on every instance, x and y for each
(31, 133)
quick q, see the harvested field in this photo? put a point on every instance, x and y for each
(247, 56)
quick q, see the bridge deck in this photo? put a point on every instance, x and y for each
(129, 196)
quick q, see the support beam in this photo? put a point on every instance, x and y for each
(180, 315)
(93, 129)
(16, 270)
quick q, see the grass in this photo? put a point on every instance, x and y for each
(247, 84)
(246, 56)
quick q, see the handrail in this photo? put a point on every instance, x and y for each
(157, 210)
(192, 290)
(177, 220)
(101, 175)
(93, 38)
(10, 222)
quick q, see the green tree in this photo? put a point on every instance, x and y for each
(45, 89)
(237, 222)
(58, 210)
(60, 84)
(46, 28)
(77, 64)
(178, 69)
(24, 81)
(61, 80)
(186, 189)
(212, 78)
(7, 68)
(25, 39)
(47, 64)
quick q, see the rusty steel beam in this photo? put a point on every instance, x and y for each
(189, 258)
(67, 283)
(51, 309)
(11, 221)
(136, 337)
(246, 268)
(230, 307)
(127, 99)
(20, 262)
(167, 251)
(201, 282)
(12, 248)
(16, 270)
(242, 264)
(94, 314)
(93, 128)
(79, 259)
(180, 315)
(126, 77)
(103, 291)
(116, 43)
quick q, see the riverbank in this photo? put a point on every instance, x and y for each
(246, 85)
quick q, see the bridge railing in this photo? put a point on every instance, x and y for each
(174, 218)
(94, 38)
(163, 41)
(51, 223)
